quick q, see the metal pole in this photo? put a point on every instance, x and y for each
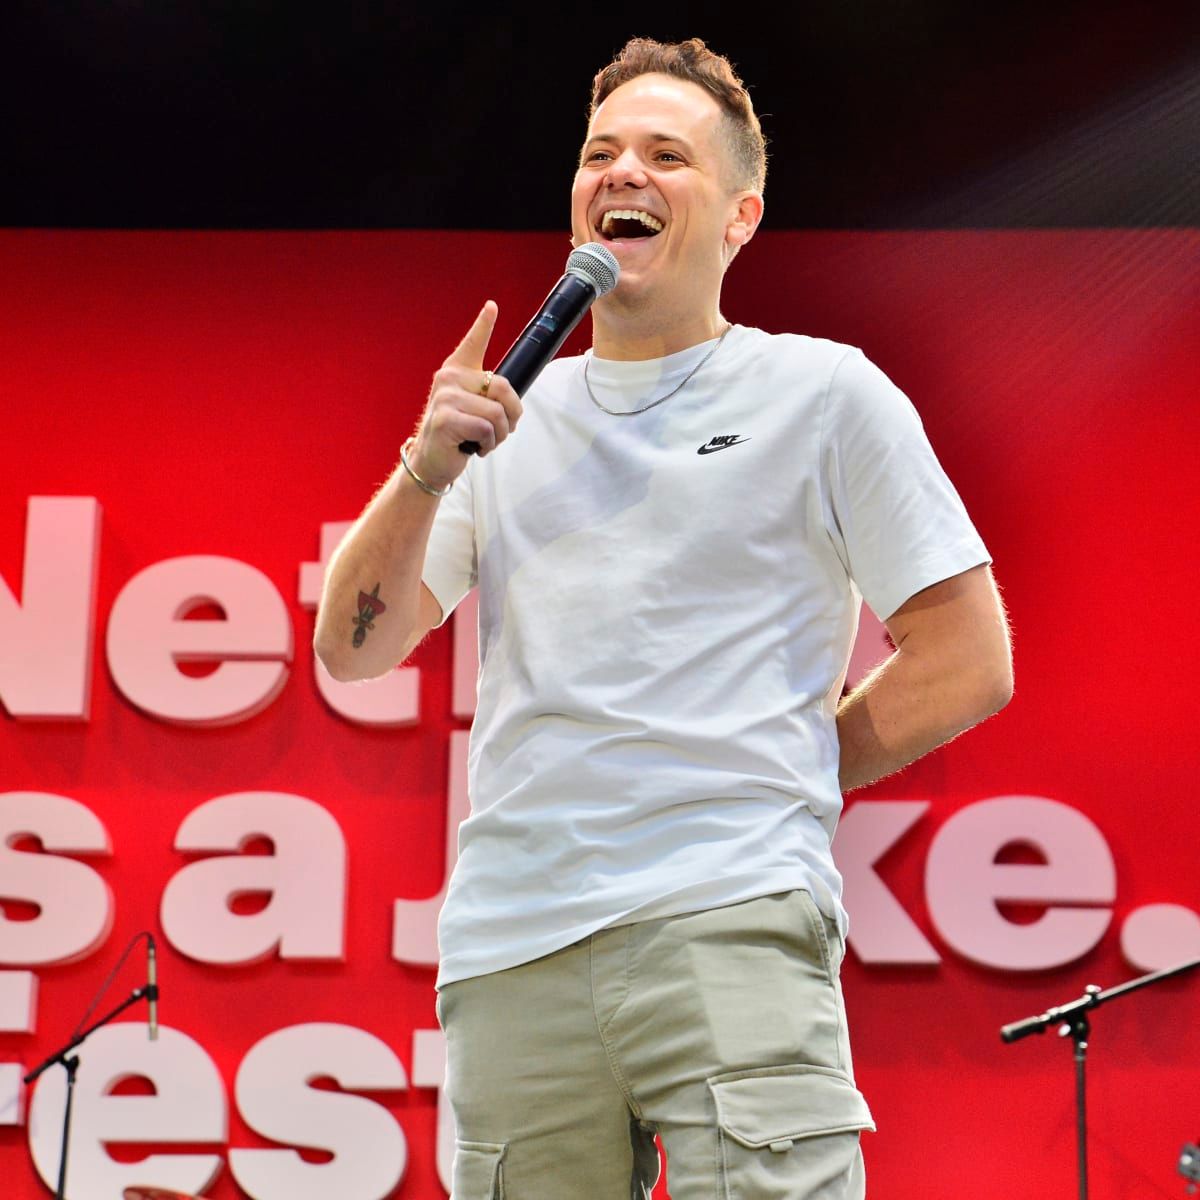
(72, 1065)
(1079, 1031)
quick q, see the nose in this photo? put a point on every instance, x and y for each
(626, 170)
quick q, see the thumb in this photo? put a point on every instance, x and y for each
(472, 348)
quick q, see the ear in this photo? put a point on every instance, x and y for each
(746, 211)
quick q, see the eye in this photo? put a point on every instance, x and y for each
(598, 156)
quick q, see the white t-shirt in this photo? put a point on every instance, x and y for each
(667, 606)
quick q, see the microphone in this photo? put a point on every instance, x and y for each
(152, 985)
(592, 272)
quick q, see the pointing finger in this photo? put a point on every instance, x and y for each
(472, 348)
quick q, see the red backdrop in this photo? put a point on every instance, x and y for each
(225, 394)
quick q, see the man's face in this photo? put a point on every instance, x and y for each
(655, 152)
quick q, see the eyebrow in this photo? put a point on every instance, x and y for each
(652, 137)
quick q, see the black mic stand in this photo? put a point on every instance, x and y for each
(71, 1063)
(1075, 1025)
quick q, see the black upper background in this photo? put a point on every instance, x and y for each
(879, 113)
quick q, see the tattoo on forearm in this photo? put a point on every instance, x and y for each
(369, 607)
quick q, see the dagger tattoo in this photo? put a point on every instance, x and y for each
(369, 607)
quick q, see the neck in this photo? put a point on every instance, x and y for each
(630, 336)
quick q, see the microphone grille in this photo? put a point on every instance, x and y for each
(597, 265)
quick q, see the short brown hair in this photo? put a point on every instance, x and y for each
(695, 62)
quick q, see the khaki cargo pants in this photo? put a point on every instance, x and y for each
(723, 1031)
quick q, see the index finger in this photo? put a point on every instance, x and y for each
(470, 351)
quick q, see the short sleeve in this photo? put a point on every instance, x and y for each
(896, 521)
(450, 570)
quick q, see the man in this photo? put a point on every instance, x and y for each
(644, 929)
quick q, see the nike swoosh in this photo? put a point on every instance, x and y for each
(722, 446)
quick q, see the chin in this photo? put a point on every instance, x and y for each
(631, 293)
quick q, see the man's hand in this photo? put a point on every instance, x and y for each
(458, 411)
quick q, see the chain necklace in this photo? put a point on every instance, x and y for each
(633, 412)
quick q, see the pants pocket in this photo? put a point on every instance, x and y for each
(478, 1171)
(788, 1132)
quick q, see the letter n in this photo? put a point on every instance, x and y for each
(46, 636)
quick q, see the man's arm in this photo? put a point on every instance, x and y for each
(951, 669)
(383, 553)
(382, 556)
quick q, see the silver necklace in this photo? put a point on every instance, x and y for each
(633, 412)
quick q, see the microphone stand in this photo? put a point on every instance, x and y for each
(71, 1063)
(1073, 1017)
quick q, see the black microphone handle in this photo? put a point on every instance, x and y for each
(542, 338)
(1020, 1029)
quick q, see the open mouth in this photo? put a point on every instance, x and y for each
(626, 223)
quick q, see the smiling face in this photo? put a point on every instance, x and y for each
(655, 186)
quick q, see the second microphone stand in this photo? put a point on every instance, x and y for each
(1073, 1018)
(70, 1063)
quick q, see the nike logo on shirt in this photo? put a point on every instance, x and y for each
(722, 443)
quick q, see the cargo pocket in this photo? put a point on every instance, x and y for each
(788, 1131)
(478, 1171)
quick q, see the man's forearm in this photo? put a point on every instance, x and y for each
(910, 704)
(384, 553)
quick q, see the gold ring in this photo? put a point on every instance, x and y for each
(487, 382)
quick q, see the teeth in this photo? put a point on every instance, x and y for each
(629, 214)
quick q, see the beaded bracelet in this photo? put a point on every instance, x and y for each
(425, 487)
